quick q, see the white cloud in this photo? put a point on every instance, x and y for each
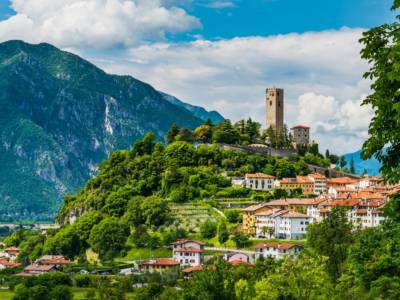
(95, 23)
(320, 72)
(335, 125)
(218, 4)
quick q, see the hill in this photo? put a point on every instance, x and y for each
(371, 166)
(60, 116)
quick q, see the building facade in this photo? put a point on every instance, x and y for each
(277, 250)
(188, 252)
(259, 181)
(301, 135)
(275, 108)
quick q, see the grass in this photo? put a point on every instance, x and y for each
(145, 253)
(6, 294)
(79, 294)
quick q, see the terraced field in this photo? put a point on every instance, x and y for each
(191, 215)
(236, 203)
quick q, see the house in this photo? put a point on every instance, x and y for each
(37, 269)
(282, 224)
(234, 257)
(320, 183)
(300, 182)
(188, 252)
(5, 264)
(11, 253)
(369, 181)
(191, 270)
(342, 184)
(259, 181)
(56, 260)
(292, 225)
(277, 250)
(266, 222)
(159, 265)
(249, 217)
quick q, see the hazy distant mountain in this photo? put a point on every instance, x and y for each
(60, 116)
(199, 112)
(371, 166)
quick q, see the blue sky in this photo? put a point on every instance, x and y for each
(271, 17)
(222, 54)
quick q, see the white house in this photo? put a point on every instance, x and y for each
(292, 225)
(277, 250)
(259, 181)
(236, 257)
(188, 252)
(282, 224)
(320, 183)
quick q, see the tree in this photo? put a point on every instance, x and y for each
(302, 278)
(332, 238)
(208, 229)
(241, 240)
(342, 162)
(381, 50)
(327, 154)
(222, 232)
(61, 292)
(172, 133)
(203, 134)
(185, 135)
(352, 166)
(108, 238)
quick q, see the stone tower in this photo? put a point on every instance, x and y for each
(275, 108)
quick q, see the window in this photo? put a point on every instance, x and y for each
(270, 103)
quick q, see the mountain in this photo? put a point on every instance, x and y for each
(60, 116)
(371, 166)
(199, 112)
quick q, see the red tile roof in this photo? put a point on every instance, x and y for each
(281, 246)
(193, 269)
(39, 268)
(162, 262)
(342, 180)
(180, 242)
(301, 126)
(260, 175)
(189, 250)
(236, 262)
(294, 215)
(9, 264)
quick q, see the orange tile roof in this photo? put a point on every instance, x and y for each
(9, 264)
(342, 180)
(255, 207)
(260, 175)
(193, 269)
(39, 268)
(345, 202)
(280, 246)
(361, 212)
(317, 176)
(11, 249)
(237, 262)
(163, 262)
(294, 215)
(189, 250)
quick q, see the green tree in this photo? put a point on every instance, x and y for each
(381, 50)
(332, 238)
(222, 232)
(303, 278)
(61, 292)
(208, 229)
(172, 133)
(342, 162)
(108, 238)
(352, 166)
(203, 134)
(241, 240)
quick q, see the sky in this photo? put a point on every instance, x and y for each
(223, 54)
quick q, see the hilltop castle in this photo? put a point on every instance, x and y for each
(275, 116)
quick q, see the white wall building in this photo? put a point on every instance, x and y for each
(320, 183)
(259, 182)
(282, 224)
(277, 250)
(233, 257)
(188, 252)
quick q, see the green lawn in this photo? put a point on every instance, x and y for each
(6, 295)
(145, 253)
(79, 294)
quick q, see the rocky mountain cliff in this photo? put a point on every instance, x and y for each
(59, 117)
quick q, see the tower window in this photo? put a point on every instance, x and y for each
(270, 103)
(279, 104)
